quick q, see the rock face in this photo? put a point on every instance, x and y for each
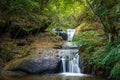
(35, 65)
(93, 69)
(69, 45)
(60, 33)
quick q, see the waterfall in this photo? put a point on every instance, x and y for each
(70, 34)
(74, 65)
(64, 64)
(70, 60)
(69, 54)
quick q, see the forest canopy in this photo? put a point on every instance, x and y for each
(96, 19)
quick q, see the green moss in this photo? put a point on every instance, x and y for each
(6, 55)
(49, 36)
(18, 63)
(14, 64)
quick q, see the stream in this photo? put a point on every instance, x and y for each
(51, 77)
(70, 69)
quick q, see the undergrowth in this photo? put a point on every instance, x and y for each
(108, 58)
(96, 51)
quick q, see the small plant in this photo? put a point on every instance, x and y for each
(6, 55)
(115, 72)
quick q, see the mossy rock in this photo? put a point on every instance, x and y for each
(34, 64)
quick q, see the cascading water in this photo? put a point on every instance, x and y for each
(70, 34)
(70, 60)
(74, 64)
(64, 64)
(69, 55)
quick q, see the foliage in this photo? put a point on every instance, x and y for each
(50, 36)
(97, 57)
(15, 7)
(26, 13)
(9, 54)
(64, 13)
(105, 12)
(67, 14)
(115, 72)
(108, 58)
(6, 55)
(89, 41)
(88, 38)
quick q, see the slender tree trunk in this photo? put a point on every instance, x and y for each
(110, 33)
(93, 12)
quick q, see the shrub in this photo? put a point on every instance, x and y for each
(108, 58)
(115, 72)
(87, 38)
(6, 55)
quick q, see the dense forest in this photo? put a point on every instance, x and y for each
(97, 25)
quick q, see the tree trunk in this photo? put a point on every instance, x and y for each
(110, 33)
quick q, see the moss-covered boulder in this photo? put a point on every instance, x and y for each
(36, 64)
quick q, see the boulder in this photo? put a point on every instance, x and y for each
(36, 64)
(62, 34)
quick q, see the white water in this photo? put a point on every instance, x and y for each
(70, 57)
(74, 65)
(64, 64)
(73, 74)
(70, 34)
(70, 60)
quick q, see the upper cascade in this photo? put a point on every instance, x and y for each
(70, 34)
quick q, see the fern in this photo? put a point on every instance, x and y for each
(115, 72)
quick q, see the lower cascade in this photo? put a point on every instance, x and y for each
(70, 60)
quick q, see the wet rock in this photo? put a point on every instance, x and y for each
(36, 64)
(69, 45)
(62, 34)
(86, 68)
(58, 29)
(99, 71)
(57, 46)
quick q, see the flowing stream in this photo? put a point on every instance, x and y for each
(70, 69)
(70, 55)
(50, 77)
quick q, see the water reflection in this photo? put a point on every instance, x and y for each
(49, 77)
